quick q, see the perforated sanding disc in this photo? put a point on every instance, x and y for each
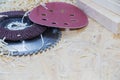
(60, 15)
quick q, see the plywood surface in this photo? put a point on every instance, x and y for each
(91, 53)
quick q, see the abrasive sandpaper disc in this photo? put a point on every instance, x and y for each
(12, 32)
(60, 15)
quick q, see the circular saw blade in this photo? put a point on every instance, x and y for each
(28, 47)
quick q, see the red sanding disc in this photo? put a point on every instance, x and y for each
(60, 15)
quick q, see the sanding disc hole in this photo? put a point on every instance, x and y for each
(43, 14)
(72, 15)
(50, 10)
(53, 23)
(65, 23)
(44, 19)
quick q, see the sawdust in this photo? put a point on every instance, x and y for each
(116, 36)
(3, 47)
(25, 5)
(91, 52)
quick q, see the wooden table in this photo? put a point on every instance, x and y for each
(92, 53)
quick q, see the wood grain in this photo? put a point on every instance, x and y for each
(105, 17)
(113, 5)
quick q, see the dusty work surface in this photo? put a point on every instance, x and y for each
(91, 53)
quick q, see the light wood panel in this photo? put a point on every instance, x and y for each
(105, 17)
(113, 5)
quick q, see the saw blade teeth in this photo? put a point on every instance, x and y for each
(45, 48)
(31, 54)
(35, 52)
(51, 37)
(41, 51)
(25, 54)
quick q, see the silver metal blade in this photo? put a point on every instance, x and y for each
(28, 47)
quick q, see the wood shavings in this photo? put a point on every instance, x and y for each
(3, 47)
(43, 5)
(116, 36)
(26, 14)
(92, 53)
(25, 5)
(3, 16)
